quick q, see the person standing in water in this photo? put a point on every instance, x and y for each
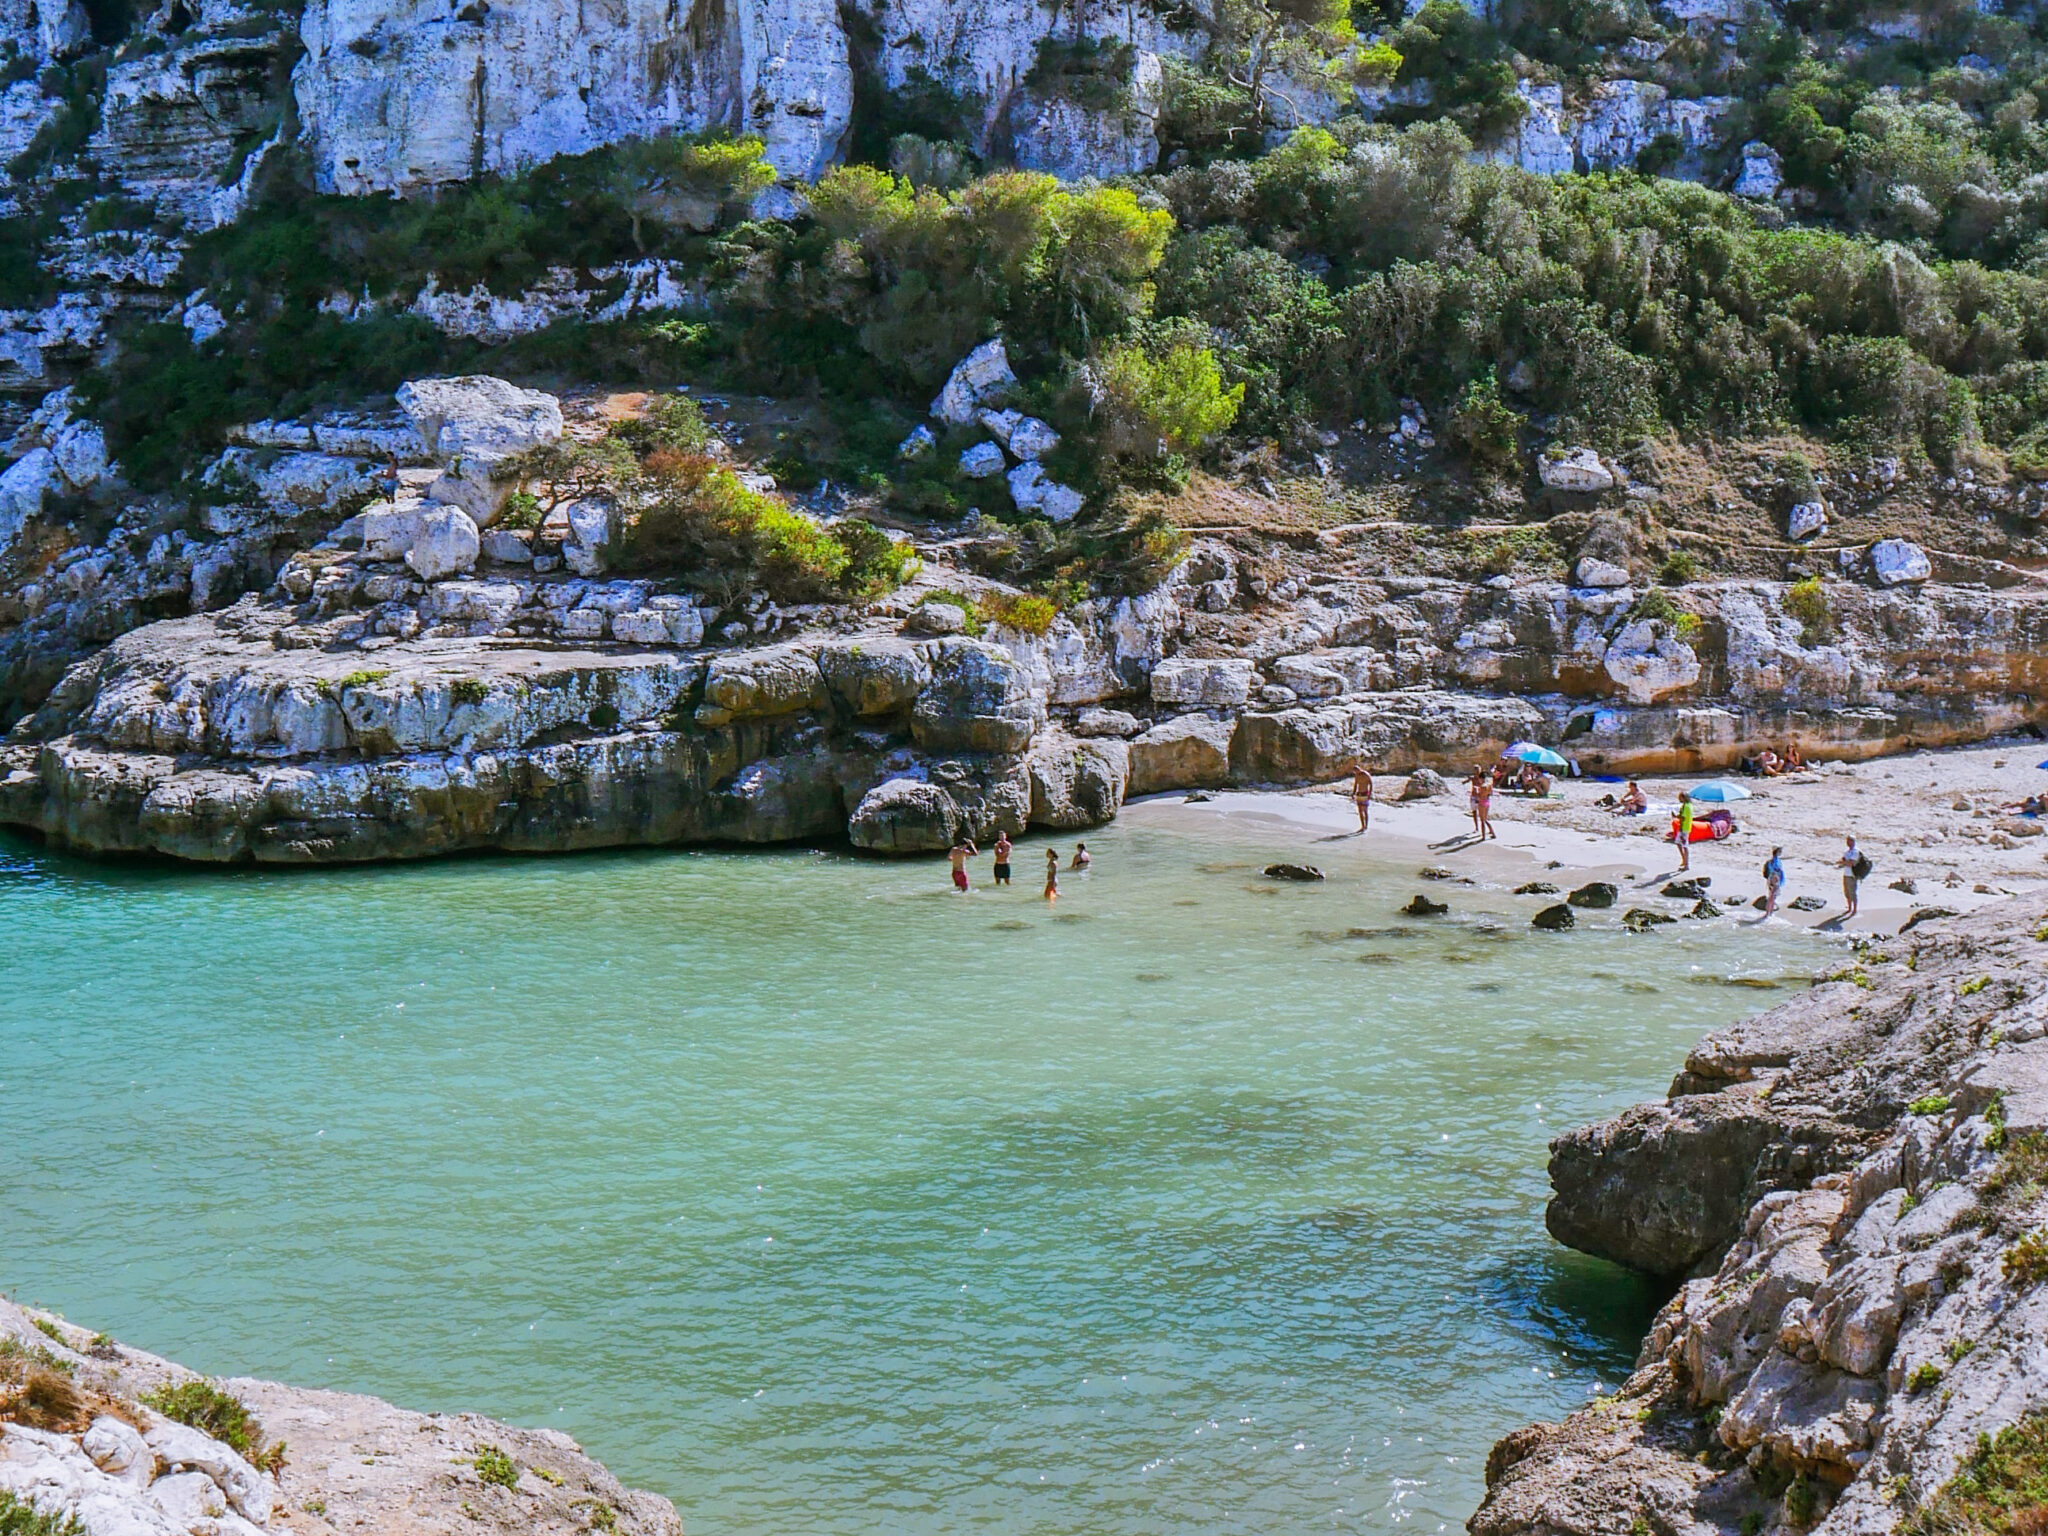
(1681, 832)
(1081, 859)
(1361, 793)
(1774, 880)
(1002, 852)
(960, 853)
(1052, 874)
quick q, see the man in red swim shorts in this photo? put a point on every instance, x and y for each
(960, 853)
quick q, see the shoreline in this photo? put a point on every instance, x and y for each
(1954, 859)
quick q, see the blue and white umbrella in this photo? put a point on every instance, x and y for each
(1719, 790)
(1529, 752)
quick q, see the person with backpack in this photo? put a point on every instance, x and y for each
(1855, 870)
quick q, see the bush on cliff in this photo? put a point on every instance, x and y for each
(2001, 1490)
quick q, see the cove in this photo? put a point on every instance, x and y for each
(822, 1200)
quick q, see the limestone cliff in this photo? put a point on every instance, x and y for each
(87, 1433)
(1854, 1183)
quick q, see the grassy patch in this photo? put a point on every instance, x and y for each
(2000, 1491)
(2026, 1262)
(494, 1466)
(469, 690)
(362, 677)
(214, 1411)
(1933, 1104)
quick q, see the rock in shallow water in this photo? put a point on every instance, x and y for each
(1555, 919)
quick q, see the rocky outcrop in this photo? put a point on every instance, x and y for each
(81, 1440)
(1853, 1183)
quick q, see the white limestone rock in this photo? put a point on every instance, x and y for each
(473, 424)
(1543, 141)
(1209, 684)
(1762, 173)
(982, 461)
(1893, 562)
(388, 531)
(447, 543)
(1805, 520)
(22, 489)
(1072, 141)
(183, 1448)
(1577, 470)
(587, 548)
(118, 1449)
(980, 379)
(1186, 752)
(918, 444)
(1600, 574)
(1032, 439)
(1648, 663)
(188, 1499)
(485, 603)
(1033, 492)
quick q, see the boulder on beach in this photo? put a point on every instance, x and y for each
(1555, 919)
(1424, 784)
(1536, 888)
(1597, 894)
(1640, 920)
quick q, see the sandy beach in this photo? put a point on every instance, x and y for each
(1930, 821)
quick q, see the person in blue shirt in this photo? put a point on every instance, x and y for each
(1774, 880)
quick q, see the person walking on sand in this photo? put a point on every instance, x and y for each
(1774, 880)
(1482, 807)
(1002, 852)
(1052, 874)
(1472, 798)
(1361, 794)
(1855, 870)
(960, 853)
(1081, 860)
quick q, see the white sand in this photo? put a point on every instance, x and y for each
(1903, 811)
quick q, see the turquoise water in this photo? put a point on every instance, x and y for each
(822, 1200)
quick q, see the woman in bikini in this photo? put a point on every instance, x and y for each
(1052, 874)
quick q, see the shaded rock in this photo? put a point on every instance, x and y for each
(1555, 919)
(1640, 920)
(1300, 872)
(1806, 904)
(1595, 894)
(752, 685)
(904, 815)
(1536, 888)
(1704, 909)
(1437, 872)
(982, 461)
(936, 616)
(1077, 784)
(978, 700)
(1106, 722)
(1421, 906)
(1692, 888)
(1186, 752)
(1920, 914)
(874, 676)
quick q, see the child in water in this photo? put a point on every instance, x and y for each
(1052, 874)
(1081, 859)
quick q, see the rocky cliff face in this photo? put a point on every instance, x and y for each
(1854, 1182)
(81, 1440)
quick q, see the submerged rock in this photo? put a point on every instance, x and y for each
(1298, 872)
(1421, 906)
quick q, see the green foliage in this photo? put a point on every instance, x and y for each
(1486, 428)
(494, 1466)
(1925, 1377)
(50, 1330)
(2026, 1262)
(18, 1517)
(1933, 1104)
(1030, 614)
(1464, 62)
(1091, 72)
(362, 677)
(469, 690)
(217, 1412)
(2000, 1490)
(1679, 567)
(1806, 601)
(1151, 405)
(1803, 1501)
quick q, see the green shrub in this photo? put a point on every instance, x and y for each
(494, 1466)
(469, 690)
(1803, 1501)
(1485, 427)
(1924, 1377)
(1933, 1104)
(362, 677)
(1808, 603)
(1150, 406)
(1028, 613)
(2026, 1262)
(219, 1413)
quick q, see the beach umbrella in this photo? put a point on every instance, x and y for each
(1719, 789)
(2041, 765)
(1529, 752)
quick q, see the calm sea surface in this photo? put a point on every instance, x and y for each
(821, 1200)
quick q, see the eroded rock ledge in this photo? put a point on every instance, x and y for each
(78, 1440)
(1854, 1183)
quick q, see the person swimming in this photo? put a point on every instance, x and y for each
(1081, 860)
